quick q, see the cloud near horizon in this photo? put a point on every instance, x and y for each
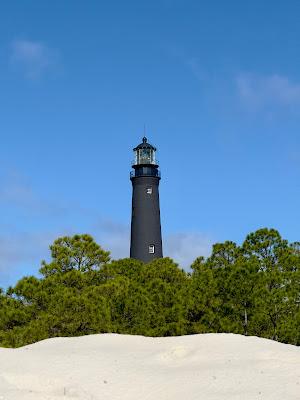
(33, 57)
(183, 247)
(22, 247)
(21, 252)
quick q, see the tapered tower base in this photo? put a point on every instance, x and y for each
(146, 242)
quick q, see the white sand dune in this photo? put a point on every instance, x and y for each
(102, 367)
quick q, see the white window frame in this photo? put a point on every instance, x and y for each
(151, 249)
(149, 190)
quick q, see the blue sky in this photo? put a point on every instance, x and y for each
(216, 83)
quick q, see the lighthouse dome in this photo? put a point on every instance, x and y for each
(145, 145)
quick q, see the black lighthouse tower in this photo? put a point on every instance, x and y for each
(146, 243)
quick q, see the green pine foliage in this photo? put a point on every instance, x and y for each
(252, 289)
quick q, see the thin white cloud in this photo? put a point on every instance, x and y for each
(17, 191)
(112, 236)
(192, 64)
(23, 248)
(259, 92)
(21, 254)
(195, 67)
(34, 58)
(184, 248)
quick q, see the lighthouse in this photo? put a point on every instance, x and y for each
(146, 241)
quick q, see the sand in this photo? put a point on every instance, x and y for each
(109, 366)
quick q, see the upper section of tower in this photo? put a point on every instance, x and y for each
(144, 154)
(145, 162)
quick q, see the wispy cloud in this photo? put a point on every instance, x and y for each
(194, 65)
(259, 92)
(22, 247)
(184, 248)
(113, 236)
(191, 63)
(16, 191)
(252, 91)
(33, 57)
(21, 253)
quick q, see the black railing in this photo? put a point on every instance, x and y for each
(145, 171)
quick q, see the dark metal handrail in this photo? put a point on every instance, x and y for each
(134, 174)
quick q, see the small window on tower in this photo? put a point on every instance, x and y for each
(151, 249)
(149, 190)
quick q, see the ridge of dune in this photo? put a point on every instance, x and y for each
(113, 367)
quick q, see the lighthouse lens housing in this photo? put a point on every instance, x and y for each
(145, 156)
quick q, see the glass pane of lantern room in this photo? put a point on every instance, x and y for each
(152, 157)
(135, 157)
(145, 156)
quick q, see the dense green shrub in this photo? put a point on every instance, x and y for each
(252, 289)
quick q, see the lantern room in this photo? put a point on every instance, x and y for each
(144, 154)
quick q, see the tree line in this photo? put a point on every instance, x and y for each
(251, 289)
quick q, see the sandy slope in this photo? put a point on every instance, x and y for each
(208, 367)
